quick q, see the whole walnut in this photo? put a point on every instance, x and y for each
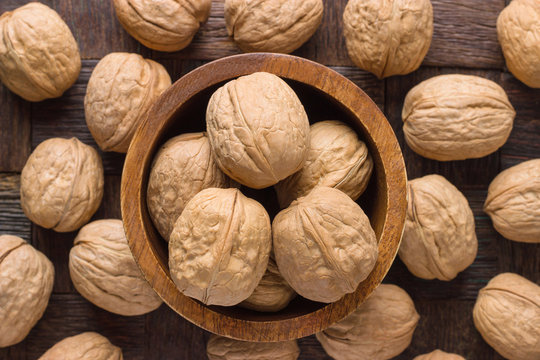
(222, 348)
(121, 89)
(439, 355)
(85, 346)
(457, 117)
(388, 37)
(219, 247)
(379, 329)
(181, 169)
(519, 36)
(336, 158)
(39, 57)
(26, 282)
(258, 130)
(324, 245)
(62, 184)
(279, 26)
(513, 202)
(439, 239)
(103, 270)
(507, 315)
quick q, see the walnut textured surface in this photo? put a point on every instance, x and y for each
(85, 346)
(439, 355)
(222, 348)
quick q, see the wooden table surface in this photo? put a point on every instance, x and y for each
(464, 41)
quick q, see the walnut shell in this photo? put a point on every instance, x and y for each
(379, 329)
(85, 346)
(388, 37)
(457, 117)
(62, 184)
(279, 26)
(219, 247)
(26, 282)
(258, 130)
(507, 315)
(439, 355)
(519, 36)
(222, 348)
(324, 245)
(121, 89)
(439, 239)
(513, 202)
(181, 169)
(103, 270)
(336, 158)
(39, 57)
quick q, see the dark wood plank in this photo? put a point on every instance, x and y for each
(12, 218)
(368, 82)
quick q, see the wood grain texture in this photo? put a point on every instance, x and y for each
(14, 132)
(12, 218)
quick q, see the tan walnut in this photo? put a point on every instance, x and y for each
(388, 37)
(336, 158)
(519, 36)
(62, 184)
(279, 26)
(513, 202)
(39, 57)
(26, 282)
(168, 25)
(324, 245)
(439, 355)
(258, 130)
(439, 239)
(379, 329)
(507, 315)
(222, 348)
(219, 247)
(457, 117)
(181, 169)
(85, 346)
(121, 89)
(103, 270)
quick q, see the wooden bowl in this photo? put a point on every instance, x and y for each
(325, 95)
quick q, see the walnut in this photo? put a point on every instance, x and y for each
(258, 130)
(85, 346)
(280, 26)
(120, 91)
(324, 245)
(182, 168)
(336, 158)
(513, 202)
(381, 328)
(39, 57)
(388, 37)
(439, 239)
(26, 282)
(439, 355)
(507, 315)
(221, 348)
(219, 247)
(62, 184)
(167, 25)
(457, 117)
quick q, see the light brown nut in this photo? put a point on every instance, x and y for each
(388, 37)
(103, 270)
(85, 346)
(167, 25)
(62, 184)
(222, 348)
(181, 169)
(39, 57)
(513, 202)
(219, 247)
(336, 158)
(121, 89)
(381, 328)
(280, 26)
(457, 117)
(507, 315)
(258, 130)
(519, 36)
(439, 355)
(324, 245)
(26, 282)
(439, 239)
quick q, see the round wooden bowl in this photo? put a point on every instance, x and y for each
(326, 95)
